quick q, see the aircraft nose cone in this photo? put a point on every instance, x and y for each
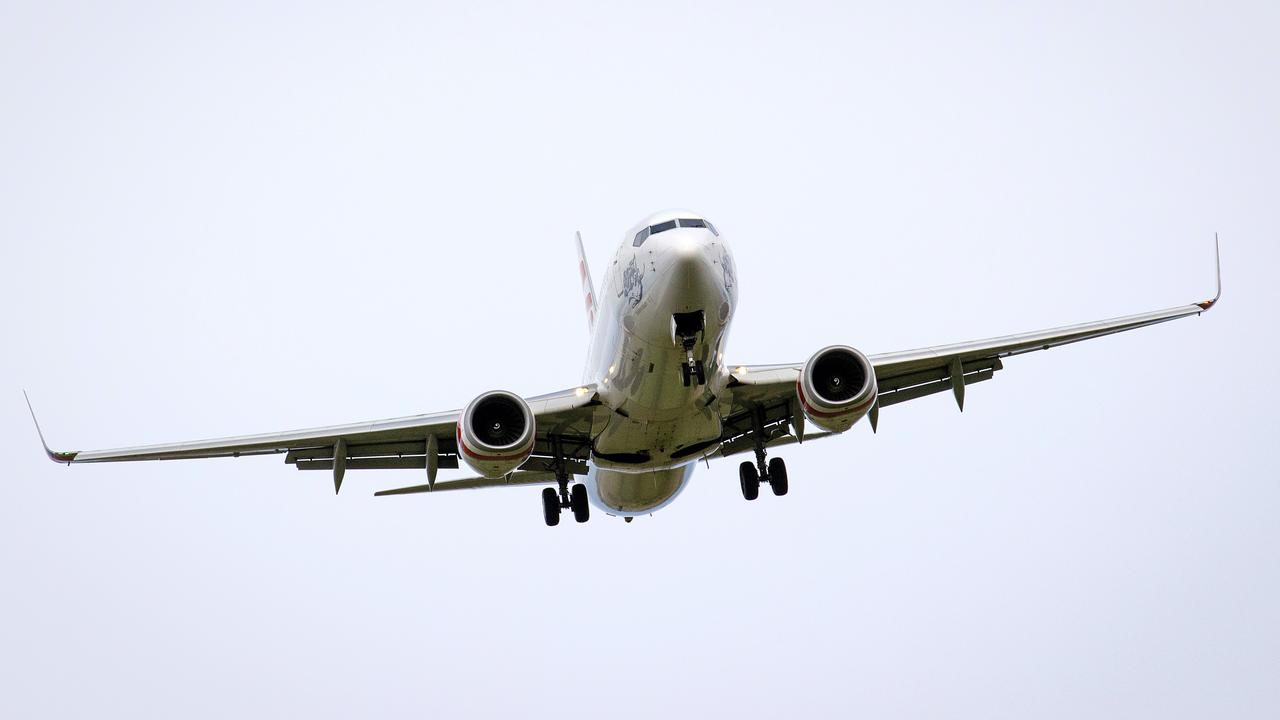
(687, 250)
(692, 281)
(687, 262)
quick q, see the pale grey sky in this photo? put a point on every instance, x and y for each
(222, 218)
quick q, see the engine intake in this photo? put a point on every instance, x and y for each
(837, 387)
(496, 433)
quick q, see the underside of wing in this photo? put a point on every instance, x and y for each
(911, 374)
(429, 442)
(764, 401)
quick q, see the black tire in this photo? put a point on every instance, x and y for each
(701, 371)
(578, 501)
(686, 374)
(750, 480)
(778, 476)
(551, 507)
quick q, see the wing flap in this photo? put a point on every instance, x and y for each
(929, 388)
(516, 478)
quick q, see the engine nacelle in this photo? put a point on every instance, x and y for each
(496, 433)
(837, 387)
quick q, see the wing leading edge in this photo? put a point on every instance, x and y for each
(417, 441)
(767, 390)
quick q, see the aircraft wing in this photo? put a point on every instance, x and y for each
(764, 396)
(416, 441)
(519, 477)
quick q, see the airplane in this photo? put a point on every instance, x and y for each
(658, 395)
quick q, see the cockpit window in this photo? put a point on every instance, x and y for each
(670, 225)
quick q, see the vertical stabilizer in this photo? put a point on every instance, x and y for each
(588, 290)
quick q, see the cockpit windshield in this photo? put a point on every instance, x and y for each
(672, 224)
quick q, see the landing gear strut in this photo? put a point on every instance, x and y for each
(774, 471)
(685, 328)
(566, 498)
(574, 499)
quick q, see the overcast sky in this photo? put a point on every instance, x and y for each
(225, 218)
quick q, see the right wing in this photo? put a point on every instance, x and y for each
(764, 396)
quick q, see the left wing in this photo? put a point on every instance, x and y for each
(563, 423)
(764, 397)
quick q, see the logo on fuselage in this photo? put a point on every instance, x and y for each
(726, 264)
(632, 283)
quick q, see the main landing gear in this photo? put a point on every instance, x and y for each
(774, 471)
(576, 500)
(554, 501)
(750, 478)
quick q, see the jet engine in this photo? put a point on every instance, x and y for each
(496, 433)
(836, 387)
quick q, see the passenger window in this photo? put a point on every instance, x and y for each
(640, 238)
(692, 223)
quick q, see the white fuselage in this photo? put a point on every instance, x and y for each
(658, 427)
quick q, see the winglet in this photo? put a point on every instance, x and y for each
(1217, 258)
(58, 457)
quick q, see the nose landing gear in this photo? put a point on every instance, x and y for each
(685, 329)
(691, 370)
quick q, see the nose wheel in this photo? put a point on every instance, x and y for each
(693, 370)
(686, 329)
